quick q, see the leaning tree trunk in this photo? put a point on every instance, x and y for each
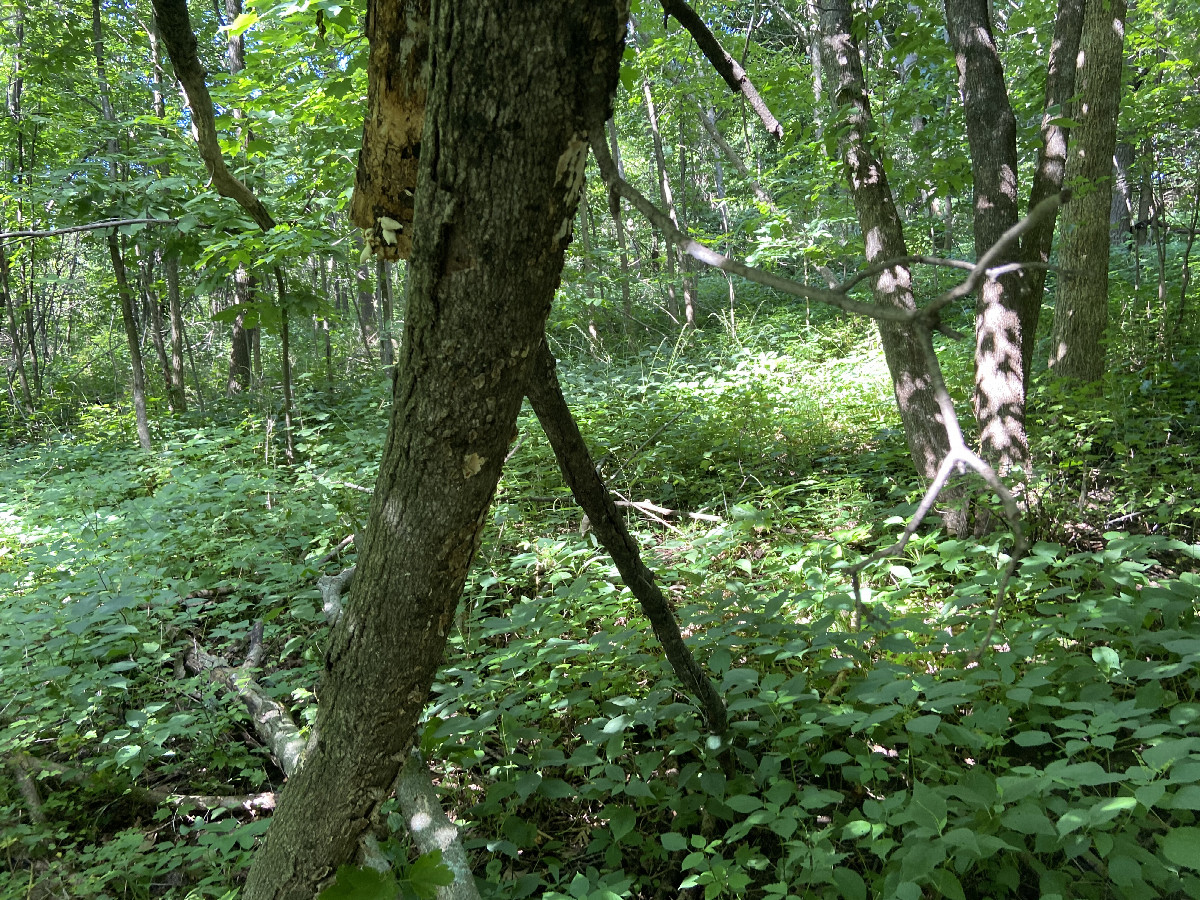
(992, 136)
(579, 471)
(513, 91)
(1081, 308)
(923, 429)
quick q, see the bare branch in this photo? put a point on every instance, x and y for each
(725, 263)
(91, 226)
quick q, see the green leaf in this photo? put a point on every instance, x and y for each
(923, 724)
(427, 874)
(673, 841)
(850, 883)
(621, 820)
(1181, 846)
(239, 25)
(743, 803)
(354, 883)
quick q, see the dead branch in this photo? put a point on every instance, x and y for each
(271, 718)
(336, 551)
(254, 803)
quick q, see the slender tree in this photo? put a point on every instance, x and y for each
(999, 398)
(1077, 340)
(923, 428)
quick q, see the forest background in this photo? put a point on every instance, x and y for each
(850, 687)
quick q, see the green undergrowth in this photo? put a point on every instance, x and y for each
(869, 753)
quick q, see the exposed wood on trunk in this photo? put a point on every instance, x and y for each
(386, 180)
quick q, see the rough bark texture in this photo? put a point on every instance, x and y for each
(398, 31)
(992, 135)
(513, 90)
(1081, 308)
(1051, 168)
(884, 237)
(579, 471)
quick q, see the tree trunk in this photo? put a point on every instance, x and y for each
(1081, 309)
(239, 353)
(1120, 214)
(175, 311)
(14, 333)
(923, 429)
(664, 193)
(286, 366)
(616, 209)
(131, 337)
(151, 304)
(686, 266)
(1050, 169)
(384, 284)
(114, 250)
(495, 198)
(999, 399)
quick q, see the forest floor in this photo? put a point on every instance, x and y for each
(878, 747)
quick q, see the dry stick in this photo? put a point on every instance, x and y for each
(926, 321)
(579, 471)
(203, 802)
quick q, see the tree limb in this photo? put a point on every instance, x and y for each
(727, 67)
(91, 226)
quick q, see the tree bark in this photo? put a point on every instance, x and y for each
(924, 429)
(999, 399)
(579, 471)
(512, 93)
(1050, 169)
(1081, 309)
